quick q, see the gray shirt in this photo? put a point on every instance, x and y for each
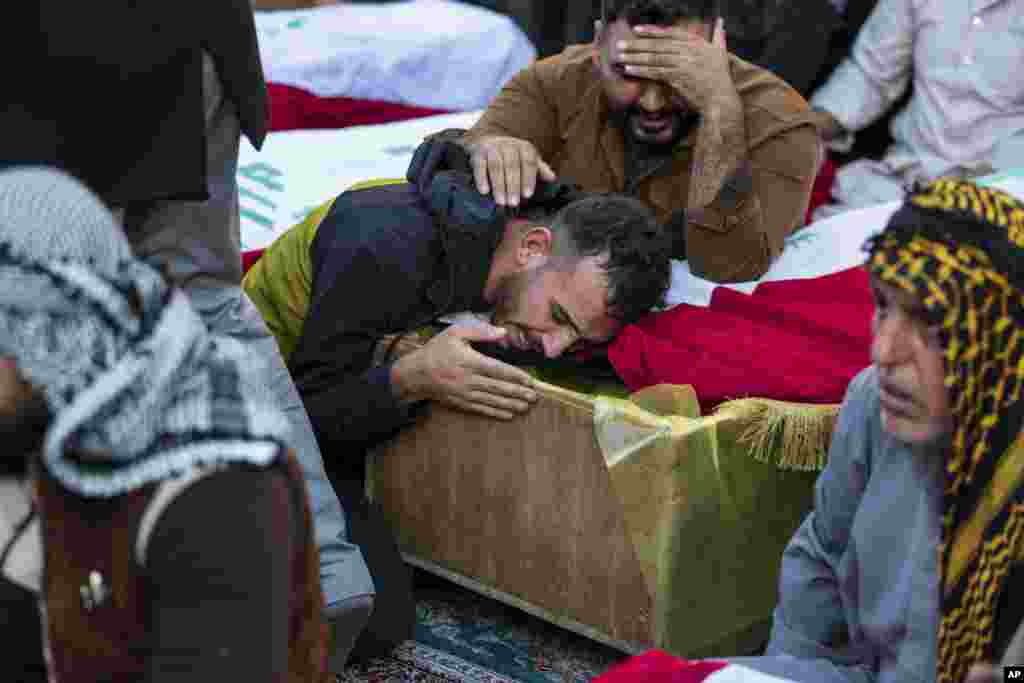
(859, 597)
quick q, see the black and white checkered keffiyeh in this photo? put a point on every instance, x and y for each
(138, 388)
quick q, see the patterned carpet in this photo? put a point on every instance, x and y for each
(462, 636)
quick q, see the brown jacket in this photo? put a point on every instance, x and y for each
(558, 105)
(85, 535)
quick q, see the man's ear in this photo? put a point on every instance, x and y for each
(534, 247)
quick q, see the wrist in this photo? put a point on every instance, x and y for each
(723, 105)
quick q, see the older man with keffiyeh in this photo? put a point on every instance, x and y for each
(148, 497)
(902, 571)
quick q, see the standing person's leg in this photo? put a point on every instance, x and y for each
(197, 244)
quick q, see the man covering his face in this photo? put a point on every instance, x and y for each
(658, 109)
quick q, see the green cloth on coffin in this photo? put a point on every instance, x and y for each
(708, 521)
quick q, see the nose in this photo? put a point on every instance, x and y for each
(555, 343)
(652, 98)
(890, 343)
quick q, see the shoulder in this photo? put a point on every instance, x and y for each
(362, 211)
(768, 101)
(373, 234)
(374, 219)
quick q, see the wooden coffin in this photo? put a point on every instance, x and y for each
(635, 523)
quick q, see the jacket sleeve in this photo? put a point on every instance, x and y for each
(728, 242)
(356, 294)
(524, 109)
(810, 621)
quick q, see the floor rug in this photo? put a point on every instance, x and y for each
(462, 636)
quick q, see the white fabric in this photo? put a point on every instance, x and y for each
(430, 53)
(822, 248)
(967, 109)
(298, 170)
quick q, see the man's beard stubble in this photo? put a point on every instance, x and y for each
(682, 122)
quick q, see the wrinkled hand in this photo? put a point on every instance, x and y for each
(695, 68)
(509, 166)
(448, 370)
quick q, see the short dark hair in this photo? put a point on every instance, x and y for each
(638, 248)
(659, 12)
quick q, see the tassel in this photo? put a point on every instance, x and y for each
(791, 436)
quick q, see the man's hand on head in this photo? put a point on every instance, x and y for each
(695, 68)
(508, 167)
(448, 370)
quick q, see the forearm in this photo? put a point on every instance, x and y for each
(724, 222)
(720, 150)
(740, 235)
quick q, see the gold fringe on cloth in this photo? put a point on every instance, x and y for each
(791, 436)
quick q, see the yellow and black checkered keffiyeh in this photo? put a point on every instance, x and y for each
(959, 249)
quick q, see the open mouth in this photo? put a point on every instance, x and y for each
(653, 124)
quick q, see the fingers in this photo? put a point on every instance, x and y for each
(484, 332)
(495, 369)
(508, 168)
(496, 172)
(546, 172)
(651, 73)
(479, 408)
(513, 406)
(512, 161)
(480, 364)
(479, 162)
(514, 393)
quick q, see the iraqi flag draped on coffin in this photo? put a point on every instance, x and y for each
(798, 334)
